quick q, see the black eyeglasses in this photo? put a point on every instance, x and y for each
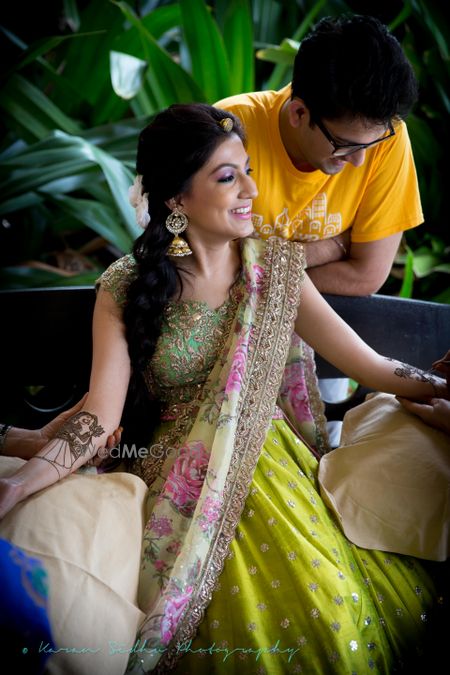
(341, 149)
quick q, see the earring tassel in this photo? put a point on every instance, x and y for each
(178, 248)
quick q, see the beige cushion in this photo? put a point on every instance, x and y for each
(87, 530)
(389, 480)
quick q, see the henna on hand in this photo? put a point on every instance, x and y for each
(77, 435)
(408, 372)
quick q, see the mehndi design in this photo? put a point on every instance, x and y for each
(77, 435)
(408, 372)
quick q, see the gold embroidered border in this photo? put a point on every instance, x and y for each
(268, 350)
(315, 400)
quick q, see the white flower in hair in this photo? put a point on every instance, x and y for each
(139, 200)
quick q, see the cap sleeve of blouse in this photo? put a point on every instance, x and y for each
(117, 277)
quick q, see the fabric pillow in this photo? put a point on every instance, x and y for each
(389, 481)
(87, 531)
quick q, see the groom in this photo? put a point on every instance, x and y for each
(332, 157)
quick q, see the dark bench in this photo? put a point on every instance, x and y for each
(46, 344)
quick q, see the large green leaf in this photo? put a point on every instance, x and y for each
(86, 62)
(32, 109)
(283, 54)
(426, 262)
(90, 66)
(119, 179)
(56, 149)
(71, 14)
(99, 217)
(309, 19)
(38, 49)
(133, 41)
(23, 201)
(145, 103)
(209, 60)
(28, 277)
(75, 155)
(56, 158)
(30, 54)
(283, 57)
(432, 16)
(266, 14)
(63, 89)
(157, 22)
(168, 82)
(32, 179)
(402, 15)
(82, 181)
(238, 38)
(119, 138)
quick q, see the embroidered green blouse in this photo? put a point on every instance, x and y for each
(192, 337)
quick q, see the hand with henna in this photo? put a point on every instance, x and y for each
(435, 411)
(25, 443)
(54, 452)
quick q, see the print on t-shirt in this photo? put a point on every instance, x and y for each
(312, 223)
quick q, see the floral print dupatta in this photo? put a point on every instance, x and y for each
(198, 491)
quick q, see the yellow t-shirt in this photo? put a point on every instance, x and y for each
(375, 200)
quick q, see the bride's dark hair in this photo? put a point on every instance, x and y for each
(171, 149)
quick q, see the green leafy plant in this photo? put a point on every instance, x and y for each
(73, 104)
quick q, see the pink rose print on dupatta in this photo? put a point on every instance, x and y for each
(185, 480)
(236, 375)
(210, 514)
(160, 565)
(162, 571)
(254, 285)
(162, 526)
(174, 547)
(295, 391)
(173, 609)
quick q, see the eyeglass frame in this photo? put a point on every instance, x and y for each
(355, 146)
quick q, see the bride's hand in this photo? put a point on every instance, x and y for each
(48, 432)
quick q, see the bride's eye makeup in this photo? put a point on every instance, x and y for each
(226, 179)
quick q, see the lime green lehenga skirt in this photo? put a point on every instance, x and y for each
(296, 596)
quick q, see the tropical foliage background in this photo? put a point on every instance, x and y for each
(80, 78)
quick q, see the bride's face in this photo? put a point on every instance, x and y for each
(219, 201)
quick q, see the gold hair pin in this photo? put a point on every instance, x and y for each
(226, 124)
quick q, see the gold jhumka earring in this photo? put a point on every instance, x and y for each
(177, 222)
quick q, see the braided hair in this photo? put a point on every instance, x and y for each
(171, 149)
